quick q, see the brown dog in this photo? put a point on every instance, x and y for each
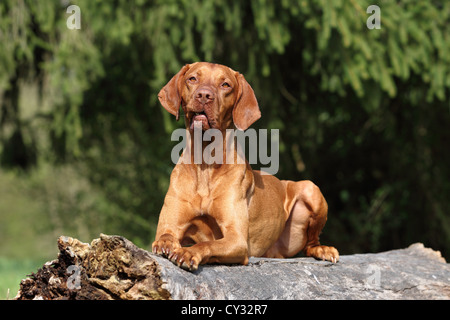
(228, 212)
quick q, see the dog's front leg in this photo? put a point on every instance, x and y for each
(232, 248)
(226, 250)
(166, 244)
(171, 225)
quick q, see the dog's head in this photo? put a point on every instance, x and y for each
(212, 95)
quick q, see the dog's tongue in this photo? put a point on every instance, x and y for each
(200, 120)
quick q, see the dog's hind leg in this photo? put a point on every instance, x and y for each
(307, 216)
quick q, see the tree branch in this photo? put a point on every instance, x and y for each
(112, 267)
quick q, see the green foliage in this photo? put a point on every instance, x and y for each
(363, 113)
(47, 202)
(12, 272)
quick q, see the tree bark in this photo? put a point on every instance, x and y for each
(112, 267)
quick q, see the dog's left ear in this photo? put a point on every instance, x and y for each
(246, 109)
(170, 94)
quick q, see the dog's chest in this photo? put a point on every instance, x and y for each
(204, 187)
(201, 197)
(203, 183)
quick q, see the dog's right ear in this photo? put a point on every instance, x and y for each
(170, 94)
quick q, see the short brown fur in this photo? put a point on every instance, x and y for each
(224, 213)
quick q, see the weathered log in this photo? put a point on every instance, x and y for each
(112, 267)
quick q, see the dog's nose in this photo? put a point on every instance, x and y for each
(204, 95)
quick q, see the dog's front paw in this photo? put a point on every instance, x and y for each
(165, 245)
(186, 258)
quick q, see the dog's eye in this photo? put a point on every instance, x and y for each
(192, 79)
(226, 85)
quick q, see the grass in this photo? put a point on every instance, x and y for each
(12, 271)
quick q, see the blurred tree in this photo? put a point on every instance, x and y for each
(362, 112)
